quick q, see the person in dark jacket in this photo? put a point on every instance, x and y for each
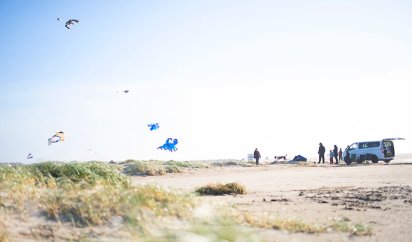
(256, 155)
(335, 153)
(321, 153)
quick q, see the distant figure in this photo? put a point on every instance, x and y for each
(330, 156)
(256, 155)
(335, 153)
(321, 153)
(347, 155)
(340, 154)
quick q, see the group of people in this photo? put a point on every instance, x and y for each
(335, 153)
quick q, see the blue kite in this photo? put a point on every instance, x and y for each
(153, 126)
(169, 145)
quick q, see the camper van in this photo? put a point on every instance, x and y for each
(380, 150)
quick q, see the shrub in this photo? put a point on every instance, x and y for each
(144, 168)
(96, 207)
(87, 172)
(222, 189)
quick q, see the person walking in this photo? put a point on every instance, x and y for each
(340, 154)
(256, 155)
(330, 157)
(335, 154)
(321, 153)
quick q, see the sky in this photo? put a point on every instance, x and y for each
(222, 76)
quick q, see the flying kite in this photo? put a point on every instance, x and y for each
(153, 126)
(58, 19)
(169, 145)
(29, 156)
(70, 22)
(126, 91)
(59, 136)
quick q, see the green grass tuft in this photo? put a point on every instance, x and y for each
(76, 172)
(98, 206)
(221, 189)
(357, 229)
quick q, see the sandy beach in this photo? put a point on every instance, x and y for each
(283, 202)
(376, 195)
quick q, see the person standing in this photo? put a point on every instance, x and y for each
(330, 157)
(335, 154)
(321, 153)
(340, 154)
(256, 155)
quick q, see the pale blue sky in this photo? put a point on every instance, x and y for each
(223, 77)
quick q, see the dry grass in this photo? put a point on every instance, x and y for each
(158, 168)
(90, 195)
(357, 229)
(222, 189)
(298, 226)
(289, 225)
(100, 205)
(4, 235)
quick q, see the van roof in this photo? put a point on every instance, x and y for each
(386, 139)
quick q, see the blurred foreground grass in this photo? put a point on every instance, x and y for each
(94, 194)
(99, 196)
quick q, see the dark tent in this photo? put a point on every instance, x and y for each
(299, 158)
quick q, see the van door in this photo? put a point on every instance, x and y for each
(388, 149)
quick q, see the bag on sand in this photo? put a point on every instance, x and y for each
(299, 158)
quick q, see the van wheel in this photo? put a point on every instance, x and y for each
(347, 160)
(374, 159)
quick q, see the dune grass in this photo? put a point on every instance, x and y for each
(357, 229)
(289, 225)
(93, 194)
(230, 162)
(157, 168)
(133, 205)
(299, 226)
(222, 189)
(4, 236)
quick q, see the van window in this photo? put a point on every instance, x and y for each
(387, 143)
(353, 146)
(365, 145)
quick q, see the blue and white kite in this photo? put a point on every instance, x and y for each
(153, 126)
(169, 145)
(29, 156)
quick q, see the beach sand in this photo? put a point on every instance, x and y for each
(375, 195)
(378, 196)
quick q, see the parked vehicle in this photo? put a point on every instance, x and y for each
(381, 150)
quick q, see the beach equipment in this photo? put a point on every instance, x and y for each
(70, 22)
(59, 136)
(153, 126)
(29, 156)
(299, 158)
(169, 145)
